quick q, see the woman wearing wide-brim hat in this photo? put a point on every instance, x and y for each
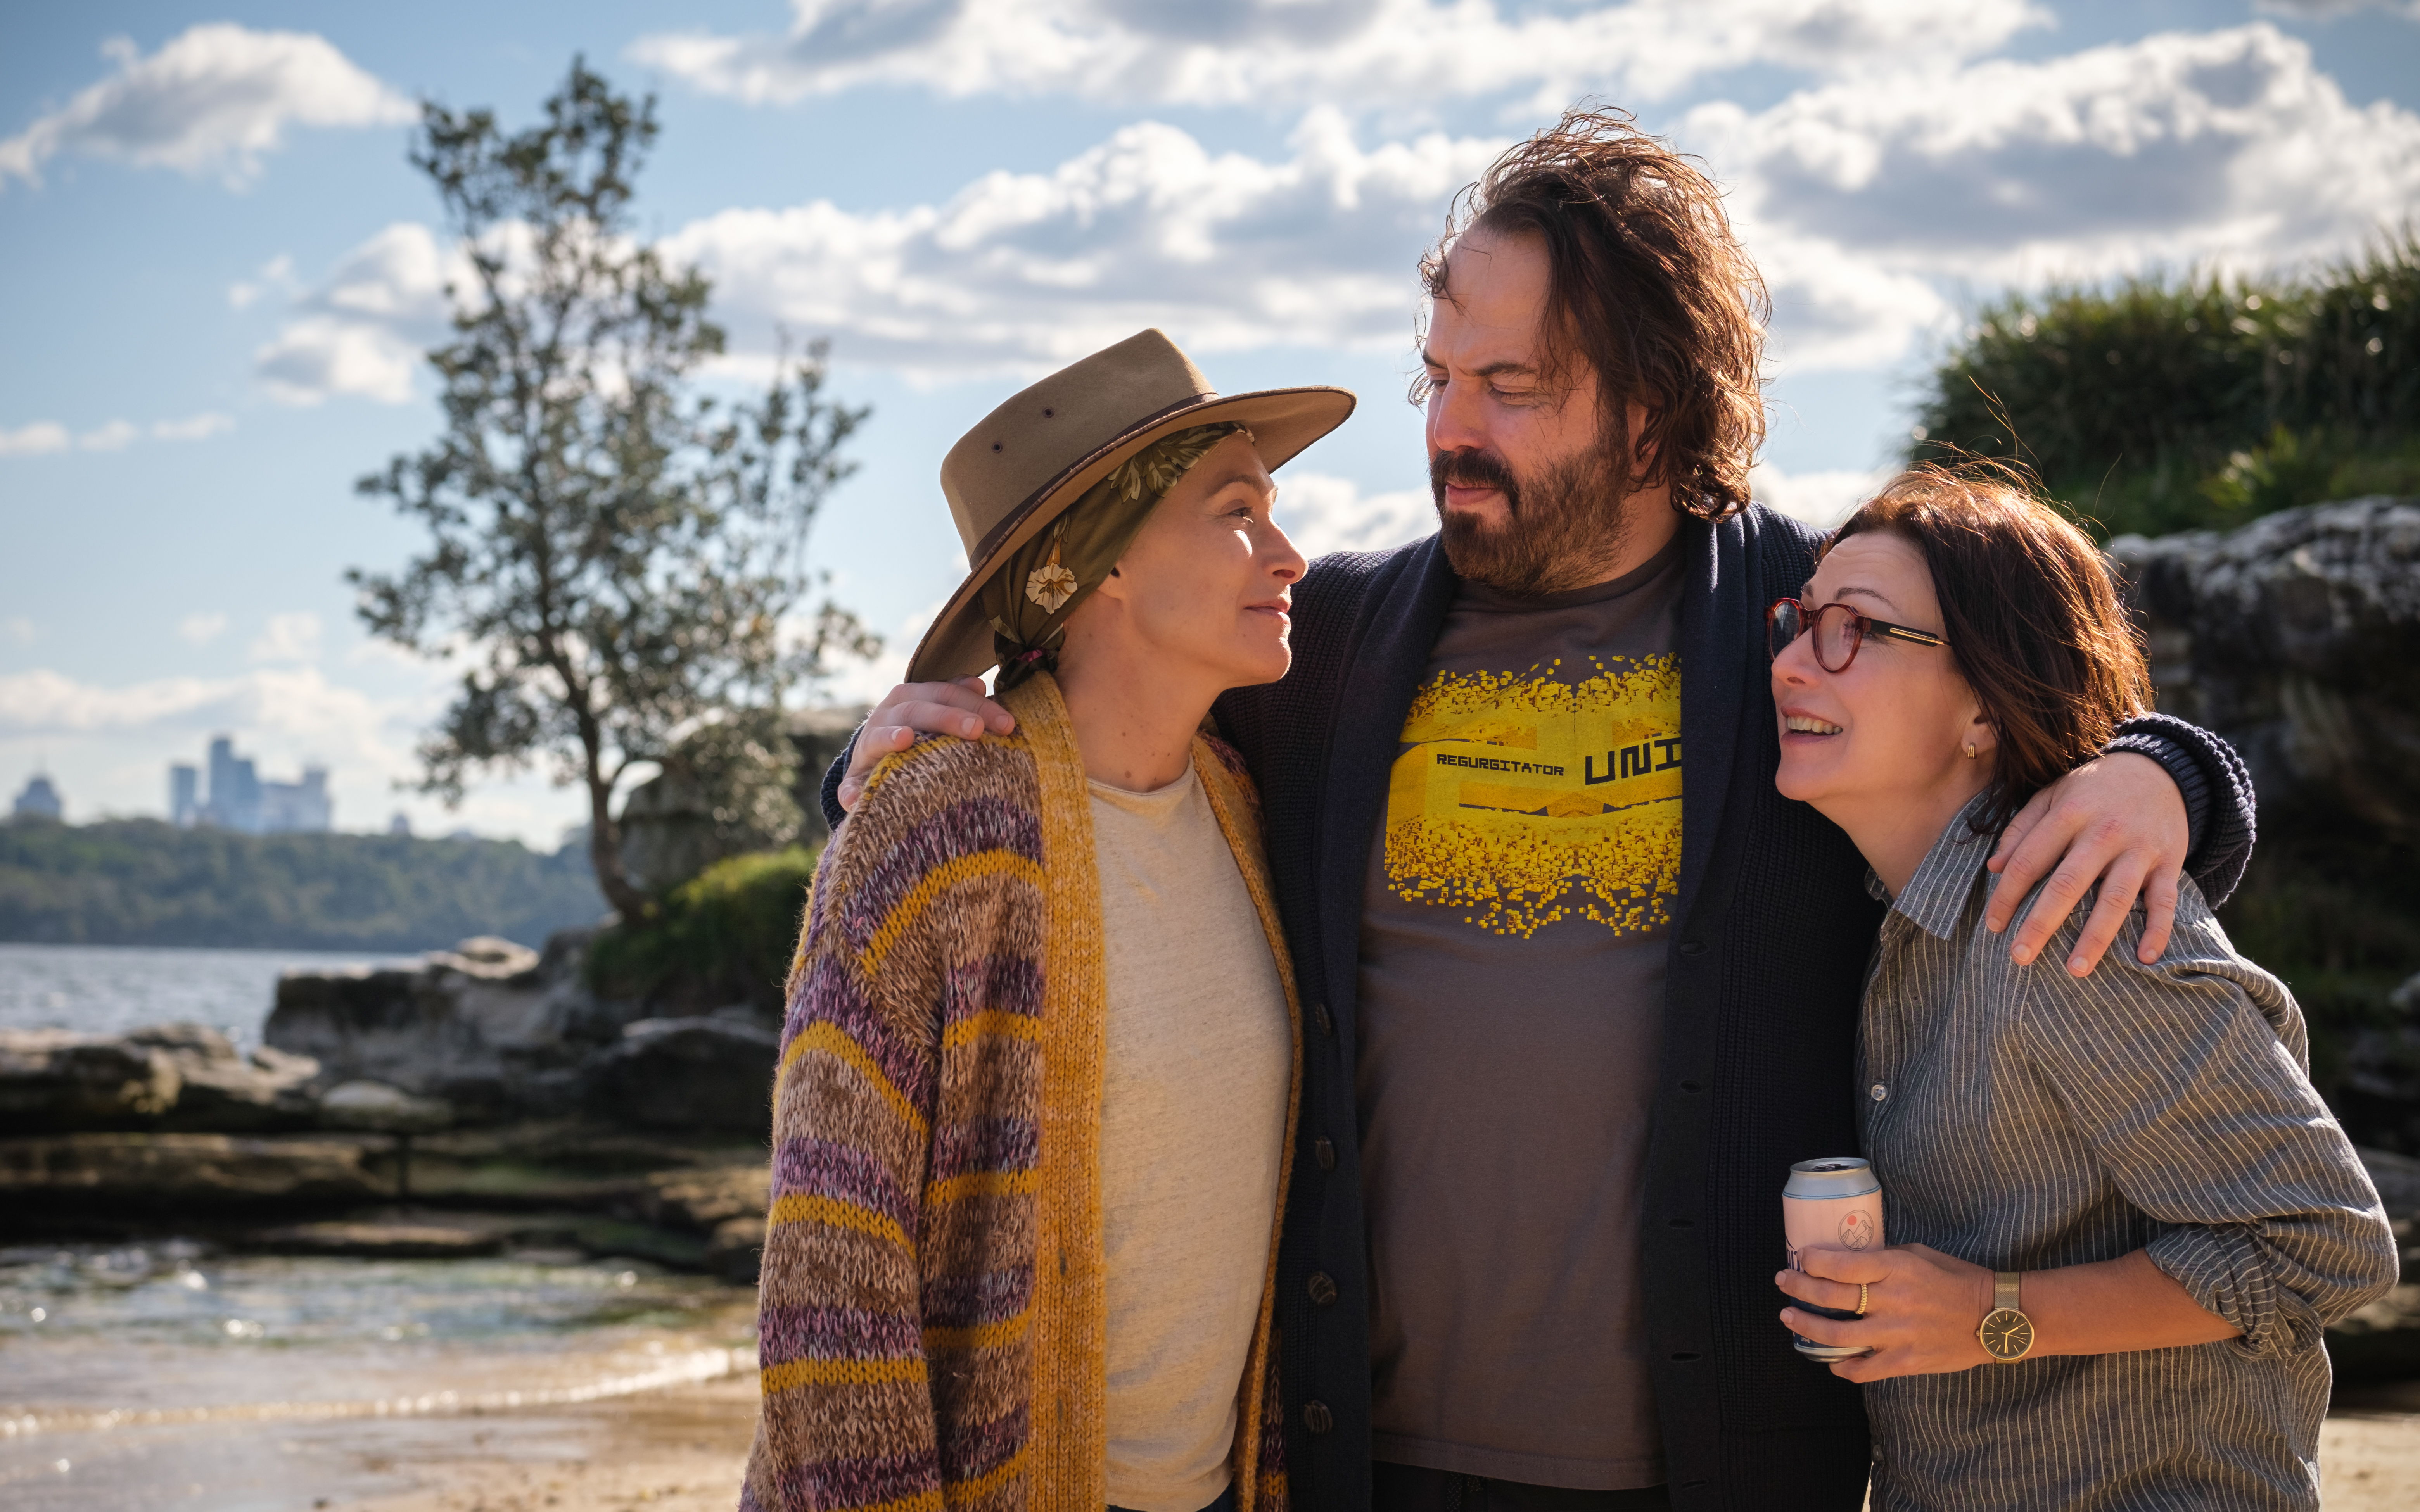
(1035, 1102)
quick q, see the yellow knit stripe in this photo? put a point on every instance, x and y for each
(981, 1184)
(835, 1041)
(981, 1336)
(792, 1374)
(1070, 1443)
(799, 1208)
(991, 1022)
(961, 1492)
(950, 874)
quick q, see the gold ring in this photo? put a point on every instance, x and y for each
(1865, 1294)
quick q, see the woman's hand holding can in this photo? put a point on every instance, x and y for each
(1922, 1308)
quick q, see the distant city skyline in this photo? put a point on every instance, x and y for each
(239, 799)
(39, 799)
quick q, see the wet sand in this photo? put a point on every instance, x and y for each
(683, 1450)
(674, 1451)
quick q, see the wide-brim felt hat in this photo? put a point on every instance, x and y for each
(1027, 461)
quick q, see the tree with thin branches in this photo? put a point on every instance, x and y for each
(619, 559)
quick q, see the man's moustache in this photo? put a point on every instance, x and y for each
(1470, 470)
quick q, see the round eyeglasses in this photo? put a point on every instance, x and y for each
(1839, 630)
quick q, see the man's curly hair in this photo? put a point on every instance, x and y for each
(1648, 288)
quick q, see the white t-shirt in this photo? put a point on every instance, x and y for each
(1194, 1083)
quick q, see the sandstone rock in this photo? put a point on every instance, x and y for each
(736, 1251)
(692, 1074)
(487, 958)
(57, 1080)
(491, 1027)
(707, 1198)
(149, 1172)
(227, 1093)
(2297, 637)
(399, 1239)
(376, 1107)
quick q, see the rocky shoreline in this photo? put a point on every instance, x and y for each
(480, 1102)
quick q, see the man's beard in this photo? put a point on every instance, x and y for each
(1559, 526)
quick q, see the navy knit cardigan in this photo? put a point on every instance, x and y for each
(1760, 1014)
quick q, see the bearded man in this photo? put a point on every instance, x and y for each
(1584, 985)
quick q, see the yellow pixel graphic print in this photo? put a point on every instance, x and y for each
(1521, 800)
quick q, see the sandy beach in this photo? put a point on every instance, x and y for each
(683, 1450)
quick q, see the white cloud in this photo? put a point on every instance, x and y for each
(275, 274)
(202, 628)
(293, 637)
(212, 100)
(1392, 55)
(199, 427)
(1022, 271)
(2331, 9)
(1321, 512)
(1822, 499)
(34, 439)
(363, 331)
(1870, 206)
(111, 436)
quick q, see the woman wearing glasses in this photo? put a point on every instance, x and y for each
(2122, 1216)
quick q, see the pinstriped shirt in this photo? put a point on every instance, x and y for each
(2023, 1119)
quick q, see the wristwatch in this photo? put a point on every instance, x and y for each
(2007, 1333)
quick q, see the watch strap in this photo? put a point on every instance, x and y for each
(2004, 1290)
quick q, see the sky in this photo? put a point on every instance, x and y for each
(218, 270)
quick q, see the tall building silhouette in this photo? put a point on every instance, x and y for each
(238, 799)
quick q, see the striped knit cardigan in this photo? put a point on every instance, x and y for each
(932, 1322)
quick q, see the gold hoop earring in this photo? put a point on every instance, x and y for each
(1971, 753)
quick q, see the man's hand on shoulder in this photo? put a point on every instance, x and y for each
(912, 709)
(2118, 822)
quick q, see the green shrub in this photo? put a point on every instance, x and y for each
(723, 936)
(2153, 406)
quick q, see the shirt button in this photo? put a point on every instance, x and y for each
(1878, 1091)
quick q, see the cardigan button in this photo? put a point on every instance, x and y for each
(1316, 1417)
(1321, 1288)
(1693, 947)
(1327, 1021)
(1323, 1149)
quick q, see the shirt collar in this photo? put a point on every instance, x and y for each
(1936, 896)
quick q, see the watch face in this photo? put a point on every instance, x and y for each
(2007, 1333)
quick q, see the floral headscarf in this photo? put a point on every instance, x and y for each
(1032, 591)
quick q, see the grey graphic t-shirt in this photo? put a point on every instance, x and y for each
(1512, 989)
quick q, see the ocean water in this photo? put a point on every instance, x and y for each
(106, 988)
(164, 1374)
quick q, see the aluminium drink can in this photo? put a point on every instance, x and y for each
(1833, 1203)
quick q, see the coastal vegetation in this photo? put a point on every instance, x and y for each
(2161, 403)
(619, 555)
(724, 936)
(141, 882)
